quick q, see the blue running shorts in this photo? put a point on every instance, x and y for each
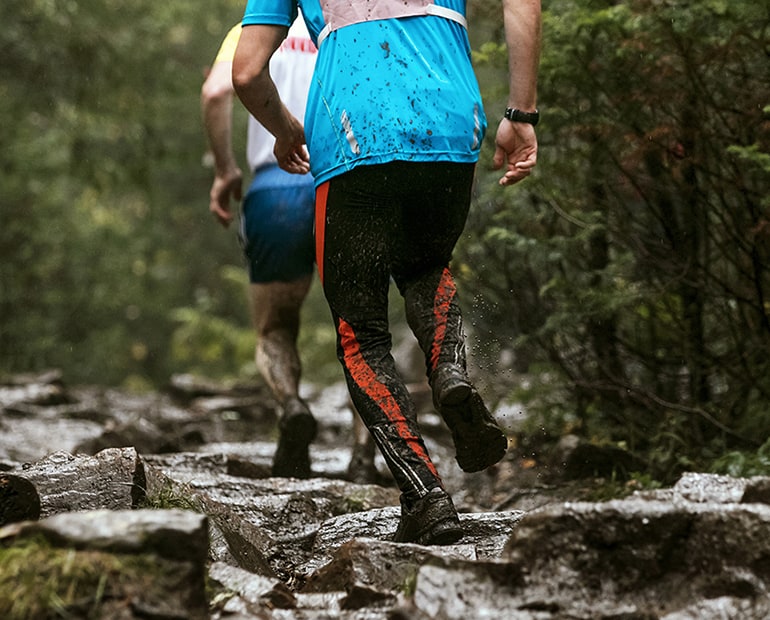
(276, 227)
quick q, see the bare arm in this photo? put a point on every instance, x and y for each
(257, 91)
(516, 143)
(217, 107)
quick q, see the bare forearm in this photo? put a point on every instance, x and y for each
(217, 109)
(260, 97)
(522, 33)
(257, 91)
(515, 141)
(252, 80)
(217, 121)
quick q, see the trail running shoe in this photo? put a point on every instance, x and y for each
(431, 520)
(296, 429)
(479, 441)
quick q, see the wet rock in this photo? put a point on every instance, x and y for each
(19, 500)
(249, 545)
(699, 488)
(757, 491)
(244, 468)
(31, 438)
(269, 524)
(253, 589)
(112, 479)
(581, 459)
(188, 389)
(145, 436)
(173, 534)
(17, 392)
(320, 548)
(488, 532)
(648, 556)
(371, 571)
(452, 588)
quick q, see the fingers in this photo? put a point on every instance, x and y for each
(295, 161)
(295, 165)
(221, 211)
(517, 170)
(219, 201)
(225, 188)
(513, 176)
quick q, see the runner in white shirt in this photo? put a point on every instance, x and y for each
(276, 228)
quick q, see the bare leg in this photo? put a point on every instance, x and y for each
(275, 309)
(275, 312)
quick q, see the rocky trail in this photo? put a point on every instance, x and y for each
(176, 487)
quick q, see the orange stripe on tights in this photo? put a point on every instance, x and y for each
(321, 196)
(366, 379)
(445, 292)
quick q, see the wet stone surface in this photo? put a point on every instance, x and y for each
(321, 548)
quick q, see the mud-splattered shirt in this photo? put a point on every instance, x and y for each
(385, 90)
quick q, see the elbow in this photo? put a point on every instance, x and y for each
(213, 94)
(240, 81)
(217, 88)
(244, 75)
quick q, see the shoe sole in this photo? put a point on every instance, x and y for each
(479, 441)
(443, 533)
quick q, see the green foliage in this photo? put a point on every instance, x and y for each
(615, 488)
(104, 198)
(744, 463)
(632, 268)
(409, 585)
(171, 496)
(206, 342)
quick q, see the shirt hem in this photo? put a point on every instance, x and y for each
(458, 157)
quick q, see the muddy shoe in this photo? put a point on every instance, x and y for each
(296, 428)
(450, 385)
(431, 520)
(479, 441)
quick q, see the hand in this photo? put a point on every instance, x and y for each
(290, 150)
(226, 187)
(516, 147)
(295, 160)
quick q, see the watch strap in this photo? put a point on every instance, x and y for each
(517, 116)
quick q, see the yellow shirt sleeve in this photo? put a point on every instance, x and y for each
(226, 51)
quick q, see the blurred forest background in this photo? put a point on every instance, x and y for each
(622, 292)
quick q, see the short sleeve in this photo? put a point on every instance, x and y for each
(226, 51)
(270, 12)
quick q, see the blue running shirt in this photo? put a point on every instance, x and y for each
(386, 90)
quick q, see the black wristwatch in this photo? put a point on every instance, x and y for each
(517, 116)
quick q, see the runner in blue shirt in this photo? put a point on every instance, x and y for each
(394, 123)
